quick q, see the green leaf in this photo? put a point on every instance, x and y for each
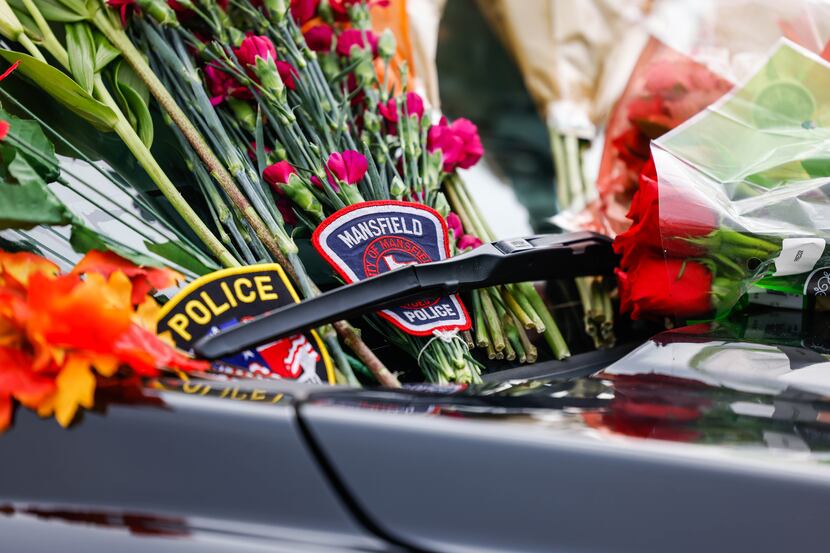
(80, 7)
(127, 77)
(29, 24)
(81, 50)
(53, 11)
(84, 239)
(144, 121)
(63, 89)
(30, 205)
(134, 97)
(176, 253)
(104, 52)
(24, 173)
(42, 155)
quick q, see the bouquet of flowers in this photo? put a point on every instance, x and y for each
(665, 89)
(735, 197)
(285, 114)
(63, 334)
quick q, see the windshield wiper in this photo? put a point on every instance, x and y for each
(532, 258)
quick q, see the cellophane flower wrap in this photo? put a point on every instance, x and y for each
(736, 197)
(665, 89)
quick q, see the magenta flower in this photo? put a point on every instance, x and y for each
(319, 38)
(286, 210)
(277, 174)
(356, 37)
(468, 241)
(348, 167)
(287, 73)
(253, 47)
(123, 7)
(341, 7)
(303, 10)
(223, 85)
(454, 224)
(459, 143)
(414, 106)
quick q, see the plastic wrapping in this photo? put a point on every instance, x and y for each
(696, 51)
(741, 196)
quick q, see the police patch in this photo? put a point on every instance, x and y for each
(371, 238)
(227, 297)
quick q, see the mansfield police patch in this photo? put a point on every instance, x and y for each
(371, 238)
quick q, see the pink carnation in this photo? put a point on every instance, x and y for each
(348, 167)
(468, 241)
(319, 38)
(459, 143)
(414, 106)
(356, 37)
(454, 224)
(277, 174)
(253, 47)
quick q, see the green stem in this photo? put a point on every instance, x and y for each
(562, 187)
(520, 298)
(122, 42)
(493, 323)
(171, 193)
(515, 308)
(30, 47)
(480, 325)
(552, 334)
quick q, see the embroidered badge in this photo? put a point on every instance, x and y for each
(371, 238)
(227, 297)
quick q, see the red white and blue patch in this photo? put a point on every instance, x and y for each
(371, 238)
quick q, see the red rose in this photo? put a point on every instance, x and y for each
(666, 232)
(319, 38)
(253, 47)
(669, 287)
(356, 37)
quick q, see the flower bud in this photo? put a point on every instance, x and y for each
(235, 35)
(302, 197)
(397, 188)
(371, 121)
(266, 71)
(244, 113)
(441, 204)
(387, 45)
(10, 26)
(159, 11)
(277, 10)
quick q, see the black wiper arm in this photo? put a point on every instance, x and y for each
(507, 261)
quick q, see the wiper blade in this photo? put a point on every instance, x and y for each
(541, 257)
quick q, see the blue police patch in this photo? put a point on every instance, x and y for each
(371, 238)
(228, 297)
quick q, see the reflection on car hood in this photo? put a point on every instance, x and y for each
(704, 384)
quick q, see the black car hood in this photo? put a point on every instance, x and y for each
(693, 441)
